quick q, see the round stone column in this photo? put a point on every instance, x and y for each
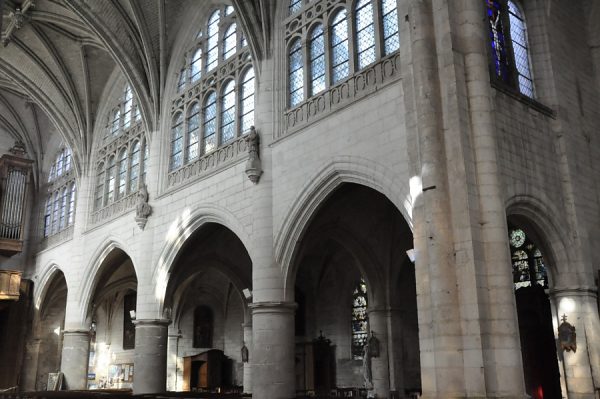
(248, 365)
(150, 361)
(273, 373)
(75, 358)
(380, 366)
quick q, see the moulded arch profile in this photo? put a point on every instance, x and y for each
(544, 230)
(319, 187)
(333, 15)
(45, 279)
(181, 230)
(94, 271)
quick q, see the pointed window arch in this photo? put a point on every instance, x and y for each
(212, 55)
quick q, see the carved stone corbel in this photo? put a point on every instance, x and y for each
(253, 165)
(143, 209)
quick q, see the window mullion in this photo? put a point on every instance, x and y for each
(328, 54)
(352, 38)
(378, 26)
(307, 72)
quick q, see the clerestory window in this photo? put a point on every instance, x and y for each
(509, 46)
(222, 106)
(337, 42)
(120, 167)
(59, 208)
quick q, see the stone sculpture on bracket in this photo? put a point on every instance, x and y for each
(253, 166)
(143, 209)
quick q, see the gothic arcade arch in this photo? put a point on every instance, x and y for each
(319, 187)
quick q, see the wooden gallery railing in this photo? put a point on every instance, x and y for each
(15, 175)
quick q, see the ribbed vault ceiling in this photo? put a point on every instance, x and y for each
(57, 55)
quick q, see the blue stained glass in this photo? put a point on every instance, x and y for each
(339, 46)
(497, 40)
(295, 6)
(391, 34)
(317, 60)
(365, 33)
(296, 76)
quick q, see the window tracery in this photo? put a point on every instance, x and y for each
(360, 319)
(527, 261)
(510, 60)
(218, 106)
(119, 168)
(59, 208)
(324, 51)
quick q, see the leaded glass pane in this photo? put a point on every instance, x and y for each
(497, 40)
(296, 77)
(518, 35)
(295, 6)
(135, 167)
(527, 261)
(127, 106)
(115, 121)
(48, 216)
(196, 66)
(213, 41)
(73, 191)
(55, 213)
(365, 33)
(339, 47)
(229, 41)
(181, 82)
(99, 187)
(144, 164)
(210, 123)
(391, 32)
(177, 142)
(122, 175)
(63, 208)
(247, 101)
(110, 180)
(193, 128)
(360, 319)
(317, 60)
(228, 113)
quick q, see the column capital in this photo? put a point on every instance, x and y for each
(272, 307)
(560, 292)
(76, 331)
(151, 322)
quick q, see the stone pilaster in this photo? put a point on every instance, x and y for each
(273, 374)
(75, 358)
(248, 365)
(150, 361)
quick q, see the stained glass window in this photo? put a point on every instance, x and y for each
(177, 142)
(518, 36)
(193, 127)
(122, 180)
(63, 207)
(295, 6)
(213, 41)
(72, 193)
(527, 261)
(228, 112)
(247, 101)
(48, 216)
(135, 167)
(317, 60)
(210, 123)
(340, 59)
(99, 187)
(391, 31)
(55, 213)
(229, 41)
(497, 40)
(196, 66)
(110, 179)
(360, 319)
(127, 107)
(296, 77)
(365, 33)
